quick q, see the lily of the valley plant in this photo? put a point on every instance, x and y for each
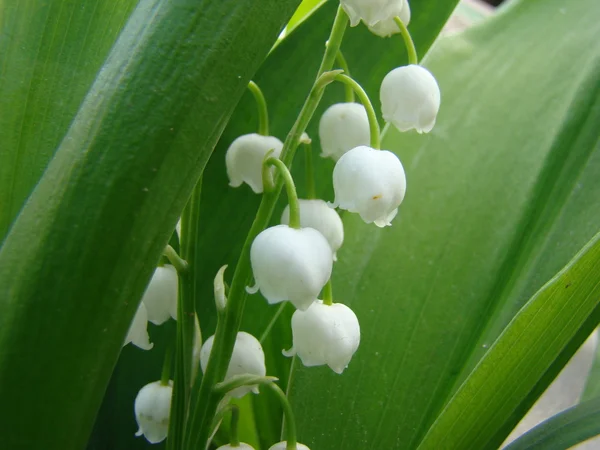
(430, 287)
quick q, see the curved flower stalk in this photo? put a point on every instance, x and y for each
(370, 11)
(245, 156)
(161, 295)
(410, 98)
(342, 127)
(315, 213)
(138, 330)
(371, 183)
(388, 27)
(325, 335)
(247, 358)
(152, 409)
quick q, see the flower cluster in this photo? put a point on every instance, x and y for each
(294, 260)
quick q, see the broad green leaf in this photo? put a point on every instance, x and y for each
(227, 213)
(520, 356)
(592, 385)
(50, 53)
(501, 195)
(564, 430)
(75, 263)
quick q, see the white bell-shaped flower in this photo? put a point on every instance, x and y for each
(138, 330)
(317, 214)
(369, 11)
(242, 446)
(244, 159)
(342, 127)
(388, 27)
(160, 297)
(371, 183)
(283, 446)
(410, 98)
(247, 358)
(152, 409)
(291, 264)
(325, 334)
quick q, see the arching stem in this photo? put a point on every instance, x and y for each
(261, 105)
(344, 66)
(290, 188)
(364, 99)
(290, 421)
(408, 41)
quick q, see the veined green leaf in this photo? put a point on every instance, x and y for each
(76, 261)
(501, 195)
(50, 53)
(520, 356)
(564, 430)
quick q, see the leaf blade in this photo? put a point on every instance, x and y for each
(99, 218)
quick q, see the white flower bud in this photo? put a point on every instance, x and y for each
(369, 11)
(371, 183)
(410, 98)
(342, 127)
(325, 334)
(244, 159)
(387, 27)
(138, 330)
(160, 297)
(152, 409)
(291, 264)
(283, 446)
(247, 358)
(318, 215)
(242, 446)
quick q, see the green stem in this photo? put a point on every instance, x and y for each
(238, 381)
(334, 42)
(311, 190)
(180, 264)
(234, 440)
(328, 293)
(185, 321)
(290, 189)
(408, 41)
(200, 419)
(165, 375)
(364, 99)
(339, 57)
(272, 322)
(290, 421)
(261, 104)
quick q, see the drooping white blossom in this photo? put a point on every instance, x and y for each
(291, 264)
(325, 334)
(410, 98)
(369, 11)
(388, 27)
(160, 297)
(152, 409)
(283, 446)
(247, 358)
(244, 159)
(138, 330)
(342, 127)
(371, 183)
(317, 214)
(242, 446)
